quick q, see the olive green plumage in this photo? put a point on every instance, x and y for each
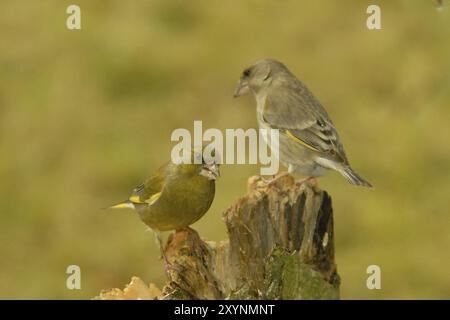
(175, 196)
(309, 143)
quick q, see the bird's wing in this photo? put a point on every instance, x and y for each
(149, 191)
(301, 117)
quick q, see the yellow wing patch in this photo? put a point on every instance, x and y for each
(303, 143)
(150, 201)
(135, 199)
(153, 198)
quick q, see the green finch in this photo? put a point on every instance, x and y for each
(176, 195)
(309, 143)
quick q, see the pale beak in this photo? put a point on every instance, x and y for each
(210, 171)
(241, 89)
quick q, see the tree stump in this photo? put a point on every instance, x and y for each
(280, 246)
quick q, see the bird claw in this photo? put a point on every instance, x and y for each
(274, 180)
(312, 181)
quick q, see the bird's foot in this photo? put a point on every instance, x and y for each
(274, 180)
(312, 181)
(168, 266)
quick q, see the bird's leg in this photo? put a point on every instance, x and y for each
(275, 178)
(270, 182)
(312, 181)
(167, 264)
(161, 247)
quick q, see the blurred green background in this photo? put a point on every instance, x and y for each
(86, 115)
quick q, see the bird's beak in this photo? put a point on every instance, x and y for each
(211, 171)
(241, 89)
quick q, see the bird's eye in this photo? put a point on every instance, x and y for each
(320, 123)
(246, 72)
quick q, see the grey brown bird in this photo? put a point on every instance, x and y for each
(309, 143)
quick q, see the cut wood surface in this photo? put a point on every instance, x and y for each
(280, 246)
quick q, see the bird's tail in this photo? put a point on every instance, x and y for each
(123, 205)
(354, 178)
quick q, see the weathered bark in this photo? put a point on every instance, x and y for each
(280, 246)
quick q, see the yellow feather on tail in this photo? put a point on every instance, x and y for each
(127, 204)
